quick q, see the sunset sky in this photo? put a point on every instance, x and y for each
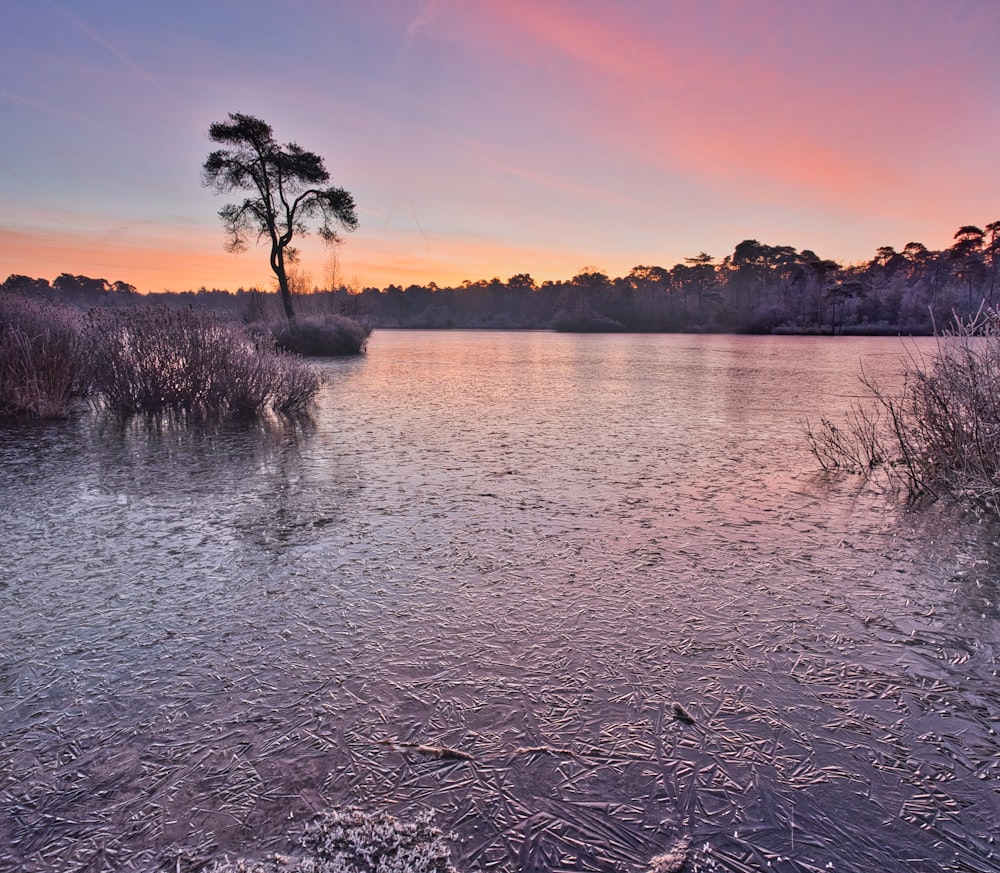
(483, 138)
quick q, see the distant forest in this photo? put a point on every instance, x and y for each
(759, 288)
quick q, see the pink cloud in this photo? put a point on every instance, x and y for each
(745, 97)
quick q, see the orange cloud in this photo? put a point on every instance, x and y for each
(449, 260)
(153, 264)
(186, 262)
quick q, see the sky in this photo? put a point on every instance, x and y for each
(483, 138)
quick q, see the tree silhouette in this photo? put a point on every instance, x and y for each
(966, 255)
(752, 263)
(696, 275)
(993, 251)
(285, 193)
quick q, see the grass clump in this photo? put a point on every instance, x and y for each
(940, 436)
(322, 336)
(354, 841)
(41, 357)
(155, 359)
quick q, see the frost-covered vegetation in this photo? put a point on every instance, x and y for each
(148, 359)
(157, 359)
(321, 337)
(940, 435)
(354, 841)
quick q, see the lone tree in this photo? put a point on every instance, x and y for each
(285, 185)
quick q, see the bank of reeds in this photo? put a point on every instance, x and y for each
(155, 359)
(41, 357)
(940, 435)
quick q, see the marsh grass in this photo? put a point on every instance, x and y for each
(155, 360)
(940, 435)
(41, 357)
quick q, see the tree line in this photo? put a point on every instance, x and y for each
(759, 288)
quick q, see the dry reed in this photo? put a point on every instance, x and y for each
(40, 357)
(940, 435)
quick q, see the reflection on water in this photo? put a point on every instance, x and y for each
(523, 547)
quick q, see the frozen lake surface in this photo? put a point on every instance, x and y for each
(533, 550)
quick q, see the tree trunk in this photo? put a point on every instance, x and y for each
(278, 265)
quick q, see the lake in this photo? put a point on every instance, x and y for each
(586, 597)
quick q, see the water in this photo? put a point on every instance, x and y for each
(536, 550)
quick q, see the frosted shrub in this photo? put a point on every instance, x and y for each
(154, 359)
(325, 336)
